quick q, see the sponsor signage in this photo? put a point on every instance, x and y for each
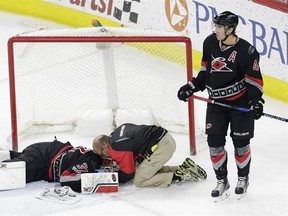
(194, 18)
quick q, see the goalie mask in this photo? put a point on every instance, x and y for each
(109, 165)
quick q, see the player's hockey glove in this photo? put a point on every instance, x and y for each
(187, 91)
(256, 108)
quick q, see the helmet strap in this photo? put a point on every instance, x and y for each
(226, 35)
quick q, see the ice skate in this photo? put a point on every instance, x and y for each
(184, 175)
(221, 190)
(241, 188)
(191, 166)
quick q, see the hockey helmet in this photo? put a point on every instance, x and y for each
(226, 18)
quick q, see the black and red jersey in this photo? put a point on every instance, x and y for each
(56, 161)
(229, 72)
(129, 143)
(73, 163)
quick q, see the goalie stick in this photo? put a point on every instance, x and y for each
(243, 109)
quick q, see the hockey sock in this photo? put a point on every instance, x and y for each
(219, 159)
(14, 154)
(243, 160)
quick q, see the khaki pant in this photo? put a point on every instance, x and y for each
(153, 173)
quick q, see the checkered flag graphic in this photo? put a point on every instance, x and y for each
(126, 12)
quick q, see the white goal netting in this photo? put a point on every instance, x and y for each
(83, 85)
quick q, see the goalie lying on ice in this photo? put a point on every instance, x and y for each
(57, 162)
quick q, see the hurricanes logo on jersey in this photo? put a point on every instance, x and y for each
(80, 168)
(219, 65)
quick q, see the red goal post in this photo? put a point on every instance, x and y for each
(29, 42)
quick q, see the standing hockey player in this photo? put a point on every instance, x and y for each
(231, 74)
(141, 151)
(57, 162)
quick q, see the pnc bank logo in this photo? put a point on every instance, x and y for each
(177, 13)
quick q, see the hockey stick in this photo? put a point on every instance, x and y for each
(243, 109)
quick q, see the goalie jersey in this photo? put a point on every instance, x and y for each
(76, 161)
(57, 162)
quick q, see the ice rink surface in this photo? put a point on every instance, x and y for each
(267, 193)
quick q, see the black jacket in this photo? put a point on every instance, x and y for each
(130, 143)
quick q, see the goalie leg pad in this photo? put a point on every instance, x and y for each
(99, 182)
(4, 155)
(12, 175)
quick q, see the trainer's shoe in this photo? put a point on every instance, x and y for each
(181, 175)
(222, 189)
(242, 185)
(190, 165)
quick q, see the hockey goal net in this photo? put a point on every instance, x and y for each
(87, 78)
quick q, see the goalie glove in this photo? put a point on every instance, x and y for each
(256, 108)
(187, 91)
